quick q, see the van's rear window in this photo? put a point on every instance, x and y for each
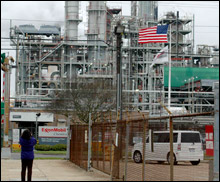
(190, 138)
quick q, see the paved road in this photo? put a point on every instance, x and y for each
(184, 171)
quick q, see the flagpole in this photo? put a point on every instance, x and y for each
(169, 85)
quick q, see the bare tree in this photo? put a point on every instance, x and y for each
(85, 96)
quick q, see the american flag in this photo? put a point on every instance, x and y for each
(156, 34)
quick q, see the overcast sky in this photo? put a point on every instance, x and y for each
(206, 17)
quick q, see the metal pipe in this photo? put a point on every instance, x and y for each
(118, 31)
(177, 33)
(171, 149)
(169, 86)
(173, 92)
(173, 116)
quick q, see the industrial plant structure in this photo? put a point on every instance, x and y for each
(48, 59)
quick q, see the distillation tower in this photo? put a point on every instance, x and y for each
(70, 39)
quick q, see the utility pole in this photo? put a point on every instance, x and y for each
(119, 30)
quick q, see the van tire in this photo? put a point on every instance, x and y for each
(137, 157)
(168, 159)
(195, 162)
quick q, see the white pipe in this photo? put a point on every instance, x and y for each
(169, 86)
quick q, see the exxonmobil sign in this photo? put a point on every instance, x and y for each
(52, 131)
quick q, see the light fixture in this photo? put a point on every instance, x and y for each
(119, 29)
(38, 114)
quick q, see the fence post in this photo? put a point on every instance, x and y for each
(116, 151)
(171, 149)
(68, 139)
(112, 149)
(112, 159)
(89, 142)
(126, 147)
(144, 144)
(211, 170)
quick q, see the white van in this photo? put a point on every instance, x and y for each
(187, 146)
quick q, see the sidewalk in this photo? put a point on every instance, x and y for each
(47, 170)
(50, 170)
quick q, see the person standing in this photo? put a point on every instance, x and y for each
(27, 142)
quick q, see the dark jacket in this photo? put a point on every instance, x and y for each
(27, 148)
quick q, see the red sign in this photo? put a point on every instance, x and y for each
(209, 139)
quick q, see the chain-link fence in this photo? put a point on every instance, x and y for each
(102, 148)
(189, 162)
(79, 145)
(118, 148)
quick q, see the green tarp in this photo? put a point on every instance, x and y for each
(180, 74)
